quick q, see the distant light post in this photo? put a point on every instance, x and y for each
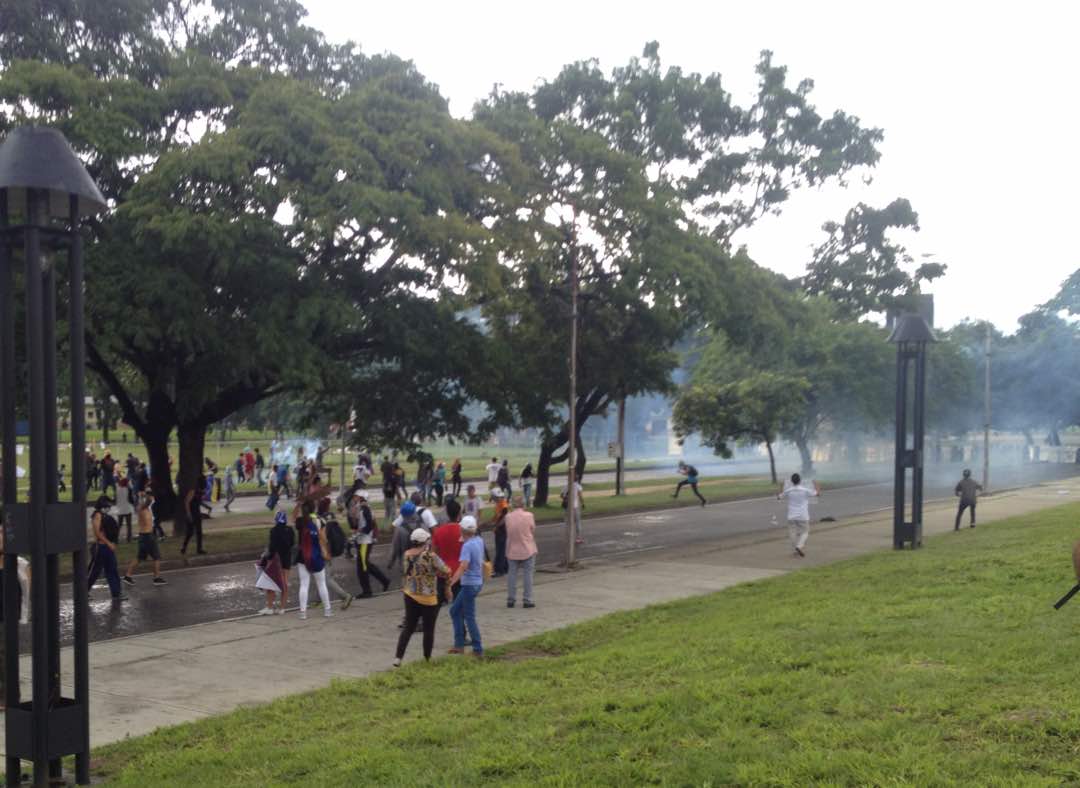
(911, 335)
(43, 183)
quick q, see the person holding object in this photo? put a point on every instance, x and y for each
(968, 489)
(280, 547)
(691, 474)
(148, 546)
(798, 513)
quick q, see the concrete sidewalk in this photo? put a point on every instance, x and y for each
(163, 678)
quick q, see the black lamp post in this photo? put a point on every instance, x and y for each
(46, 188)
(910, 335)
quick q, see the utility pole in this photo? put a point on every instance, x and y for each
(986, 421)
(571, 488)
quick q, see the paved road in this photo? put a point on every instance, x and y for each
(213, 593)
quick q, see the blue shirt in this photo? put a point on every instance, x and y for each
(472, 551)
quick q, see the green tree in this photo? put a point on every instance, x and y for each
(862, 268)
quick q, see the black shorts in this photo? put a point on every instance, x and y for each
(148, 547)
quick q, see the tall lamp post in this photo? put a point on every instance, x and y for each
(911, 335)
(47, 191)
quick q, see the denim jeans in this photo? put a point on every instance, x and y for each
(104, 560)
(463, 613)
(527, 566)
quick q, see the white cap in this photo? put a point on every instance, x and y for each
(468, 523)
(419, 535)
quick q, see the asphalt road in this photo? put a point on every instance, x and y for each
(213, 593)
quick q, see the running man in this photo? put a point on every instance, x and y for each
(798, 511)
(968, 490)
(690, 472)
(148, 546)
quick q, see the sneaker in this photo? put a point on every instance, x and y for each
(328, 613)
(266, 611)
(128, 579)
(703, 504)
(347, 602)
(509, 602)
(303, 615)
(799, 552)
(160, 581)
(397, 662)
(529, 604)
(279, 610)
(579, 540)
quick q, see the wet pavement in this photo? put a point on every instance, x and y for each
(225, 591)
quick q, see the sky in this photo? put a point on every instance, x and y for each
(977, 102)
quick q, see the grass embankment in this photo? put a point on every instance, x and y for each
(943, 666)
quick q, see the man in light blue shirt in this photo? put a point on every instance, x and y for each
(471, 574)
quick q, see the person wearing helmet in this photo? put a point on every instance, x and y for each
(281, 547)
(413, 515)
(968, 490)
(421, 570)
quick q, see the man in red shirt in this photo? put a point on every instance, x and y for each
(446, 539)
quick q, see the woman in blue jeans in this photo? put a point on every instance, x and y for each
(471, 574)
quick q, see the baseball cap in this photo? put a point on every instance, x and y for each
(408, 509)
(419, 535)
(468, 523)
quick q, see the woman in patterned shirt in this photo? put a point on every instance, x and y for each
(420, 582)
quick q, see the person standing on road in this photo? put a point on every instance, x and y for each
(503, 479)
(455, 477)
(493, 469)
(498, 524)
(125, 505)
(148, 545)
(106, 534)
(521, 552)
(798, 511)
(968, 490)
(446, 540)
(421, 570)
(438, 483)
(367, 532)
(260, 466)
(193, 502)
(526, 482)
(691, 474)
(313, 549)
(281, 545)
(470, 573)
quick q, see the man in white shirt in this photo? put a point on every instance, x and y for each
(798, 511)
(493, 473)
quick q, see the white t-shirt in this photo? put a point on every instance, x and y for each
(798, 502)
(473, 506)
(361, 473)
(427, 518)
(577, 498)
(493, 472)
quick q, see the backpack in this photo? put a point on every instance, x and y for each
(335, 538)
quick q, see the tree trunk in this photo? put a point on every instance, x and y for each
(772, 460)
(156, 440)
(579, 464)
(543, 472)
(804, 453)
(192, 439)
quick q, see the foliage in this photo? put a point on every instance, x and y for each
(963, 678)
(862, 269)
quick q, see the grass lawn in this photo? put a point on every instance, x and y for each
(943, 666)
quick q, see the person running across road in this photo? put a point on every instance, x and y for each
(798, 511)
(312, 563)
(367, 532)
(148, 545)
(968, 491)
(521, 552)
(421, 570)
(691, 478)
(470, 573)
(280, 548)
(106, 534)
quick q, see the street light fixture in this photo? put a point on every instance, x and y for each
(43, 183)
(911, 335)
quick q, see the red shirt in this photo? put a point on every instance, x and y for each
(447, 541)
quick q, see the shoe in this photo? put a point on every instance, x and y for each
(386, 586)
(347, 602)
(509, 602)
(160, 581)
(120, 598)
(303, 615)
(529, 605)
(703, 504)
(128, 579)
(973, 525)
(280, 611)
(266, 611)
(455, 650)
(799, 552)
(328, 613)
(365, 595)
(579, 540)
(397, 662)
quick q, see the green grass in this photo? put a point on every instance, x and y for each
(938, 667)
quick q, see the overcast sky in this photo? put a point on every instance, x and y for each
(978, 102)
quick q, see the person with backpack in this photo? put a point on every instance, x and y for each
(312, 558)
(103, 554)
(421, 570)
(125, 505)
(280, 548)
(413, 515)
(691, 474)
(366, 533)
(331, 532)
